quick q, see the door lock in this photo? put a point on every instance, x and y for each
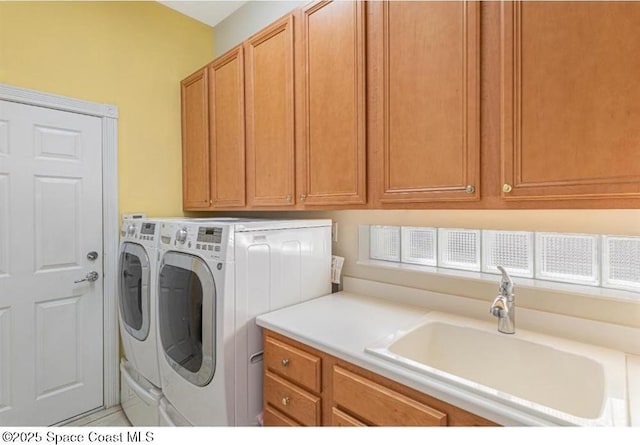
(92, 256)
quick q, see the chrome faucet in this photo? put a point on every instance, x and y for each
(504, 306)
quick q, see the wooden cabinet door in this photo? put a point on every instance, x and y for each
(273, 417)
(331, 104)
(424, 70)
(340, 418)
(227, 147)
(195, 141)
(570, 100)
(269, 72)
(380, 405)
(291, 400)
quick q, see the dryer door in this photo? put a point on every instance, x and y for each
(186, 316)
(133, 289)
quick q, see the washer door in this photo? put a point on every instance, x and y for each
(133, 290)
(186, 311)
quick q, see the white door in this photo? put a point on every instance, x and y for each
(51, 348)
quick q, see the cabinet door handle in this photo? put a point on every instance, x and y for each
(303, 197)
(507, 188)
(469, 189)
(285, 401)
(285, 362)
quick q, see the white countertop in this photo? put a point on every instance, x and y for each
(345, 323)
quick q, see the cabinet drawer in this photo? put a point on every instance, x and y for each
(291, 400)
(340, 418)
(380, 405)
(293, 363)
(273, 417)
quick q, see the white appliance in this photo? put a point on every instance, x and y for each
(137, 280)
(169, 416)
(140, 385)
(214, 278)
(140, 399)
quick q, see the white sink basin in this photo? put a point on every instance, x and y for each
(556, 379)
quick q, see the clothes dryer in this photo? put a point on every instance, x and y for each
(214, 278)
(138, 261)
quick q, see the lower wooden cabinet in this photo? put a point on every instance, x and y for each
(378, 405)
(340, 418)
(273, 417)
(293, 364)
(303, 386)
(291, 400)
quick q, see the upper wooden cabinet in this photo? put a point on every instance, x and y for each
(424, 113)
(354, 104)
(213, 135)
(195, 141)
(226, 114)
(570, 100)
(330, 89)
(270, 116)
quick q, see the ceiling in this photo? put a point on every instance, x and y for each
(209, 12)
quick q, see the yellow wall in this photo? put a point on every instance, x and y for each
(130, 54)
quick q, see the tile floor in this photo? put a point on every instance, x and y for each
(109, 417)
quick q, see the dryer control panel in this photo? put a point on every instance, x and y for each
(210, 235)
(208, 240)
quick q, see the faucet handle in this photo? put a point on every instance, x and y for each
(506, 285)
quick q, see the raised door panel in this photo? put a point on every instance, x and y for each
(272, 417)
(290, 362)
(331, 104)
(425, 109)
(57, 212)
(226, 123)
(58, 369)
(291, 400)
(195, 141)
(5, 359)
(570, 96)
(269, 77)
(380, 405)
(4, 224)
(340, 418)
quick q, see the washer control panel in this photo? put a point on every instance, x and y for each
(207, 240)
(143, 232)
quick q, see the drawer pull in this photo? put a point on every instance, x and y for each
(285, 362)
(285, 401)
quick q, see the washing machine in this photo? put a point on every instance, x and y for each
(140, 385)
(214, 278)
(137, 273)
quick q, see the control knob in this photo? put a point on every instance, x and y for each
(181, 235)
